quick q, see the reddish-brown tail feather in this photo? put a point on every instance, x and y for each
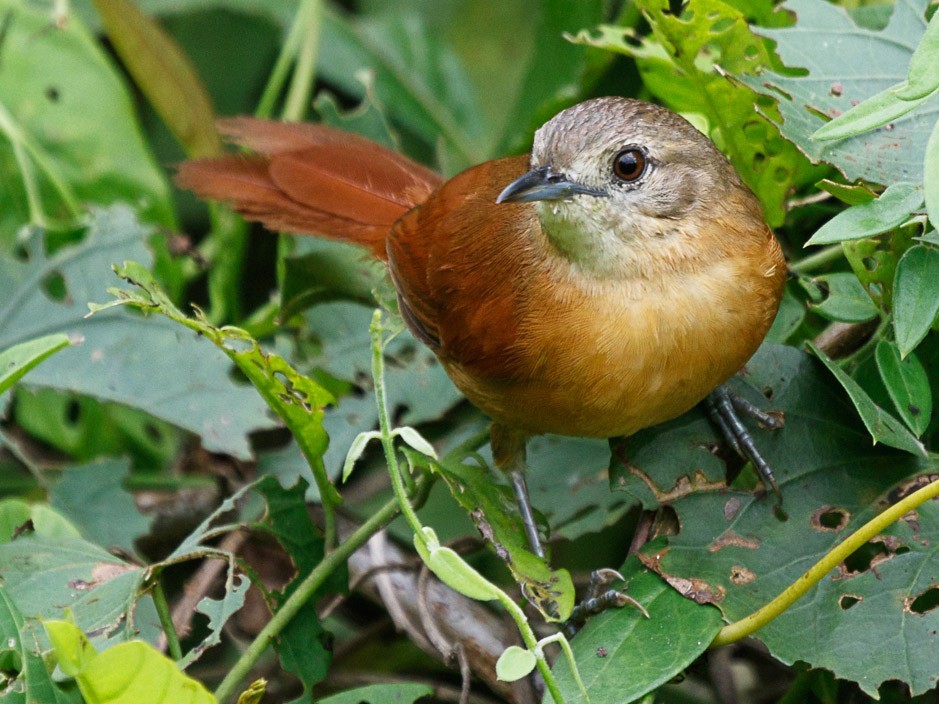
(312, 179)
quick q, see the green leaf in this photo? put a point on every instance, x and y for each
(486, 500)
(882, 426)
(19, 359)
(15, 513)
(127, 673)
(303, 644)
(407, 693)
(51, 127)
(355, 451)
(931, 174)
(876, 111)
(415, 440)
(683, 65)
(515, 663)
(296, 399)
(843, 298)
(847, 193)
(889, 211)
(907, 384)
(164, 74)
(30, 681)
(915, 296)
(46, 575)
(735, 550)
(922, 77)
(93, 498)
(832, 85)
(789, 317)
(150, 365)
(453, 570)
(652, 650)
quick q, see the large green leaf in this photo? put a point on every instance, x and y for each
(837, 54)
(93, 498)
(46, 575)
(151, 365)
(622, 655)
(54, 154)
(126, 673)
(734, 549)
(406, 693)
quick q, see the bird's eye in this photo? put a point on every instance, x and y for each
(629, 164)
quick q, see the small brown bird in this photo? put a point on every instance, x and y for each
(606, 283)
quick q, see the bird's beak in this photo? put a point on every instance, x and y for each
(543, 184)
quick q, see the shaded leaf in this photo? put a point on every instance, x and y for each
(407, 693)
(16, 513)
(882, 426)
(164, 74)
(890, 210)
(151, 365)
(789, 317)
(54, 119)
(907, 384)
(30, 681)
(931, 175)
(93, 498)
(916, 296)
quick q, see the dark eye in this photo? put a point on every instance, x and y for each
(629, 164)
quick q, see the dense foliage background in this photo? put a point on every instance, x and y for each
(168, 481)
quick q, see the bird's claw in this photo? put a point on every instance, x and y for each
(724, 408)
(599, 599)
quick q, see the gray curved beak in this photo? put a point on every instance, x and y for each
(543, 184)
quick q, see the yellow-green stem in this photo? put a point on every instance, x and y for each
(746, 626)
(310, 16)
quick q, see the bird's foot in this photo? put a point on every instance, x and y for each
(599, 599)
(724, 408)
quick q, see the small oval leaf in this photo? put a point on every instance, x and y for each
(907, 384)
(915, 296)
(515, 663)
(457, 574)
(355, 451)
(416, 440)
(931, 174)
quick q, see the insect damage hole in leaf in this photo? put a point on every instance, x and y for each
(924, 602)
(830, 518)
(847, 601)
(873, 553)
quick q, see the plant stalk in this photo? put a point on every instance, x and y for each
(304, 592)
(166, 619)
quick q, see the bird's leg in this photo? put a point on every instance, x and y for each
(724, 407)
(599, 599)
(508, 452)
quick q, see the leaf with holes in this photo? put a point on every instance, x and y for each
(678, 63)
(150, 365)
(54, 155)
(738, 551)
(832, 47)
(840, 296)
(907, 384)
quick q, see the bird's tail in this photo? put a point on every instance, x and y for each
(311, 179)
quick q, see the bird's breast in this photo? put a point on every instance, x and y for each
(607, 358)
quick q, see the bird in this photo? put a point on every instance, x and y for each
(606, 282)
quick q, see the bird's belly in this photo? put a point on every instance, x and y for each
(626, 366)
